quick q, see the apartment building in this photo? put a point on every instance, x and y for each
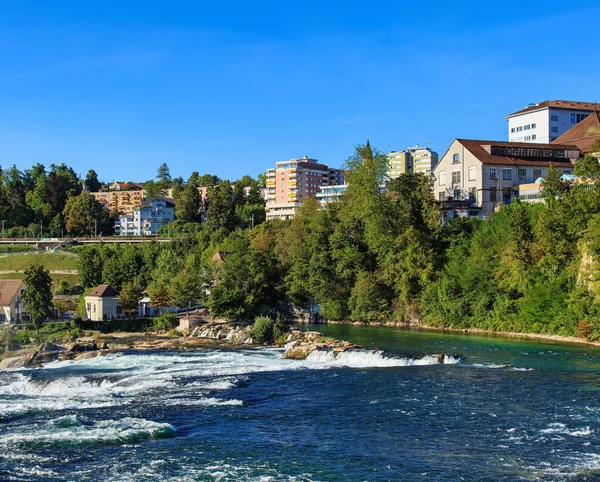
(122, 201)
(584, 134)
(414, 160)
(475, 177)
(292, 181)
(146, 219)
(546, 121)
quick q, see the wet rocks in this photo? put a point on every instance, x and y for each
(300, 344)
(232, 334)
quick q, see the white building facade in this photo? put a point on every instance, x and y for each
(544, 122)
(146, 219)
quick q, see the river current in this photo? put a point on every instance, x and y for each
(497, 409)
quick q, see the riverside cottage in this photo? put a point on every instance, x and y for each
(12, 308)
(101, 303)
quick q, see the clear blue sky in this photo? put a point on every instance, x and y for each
(230, 87)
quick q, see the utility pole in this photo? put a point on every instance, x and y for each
(2, 229)
(95, 228)
(41, 228)
(252, 220)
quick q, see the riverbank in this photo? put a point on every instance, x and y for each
(472, 331)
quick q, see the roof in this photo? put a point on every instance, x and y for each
(219, 256)
(583, 134)
(147, 202)
(482, 151)
(8, 290)
(558, 104)
(103, 291)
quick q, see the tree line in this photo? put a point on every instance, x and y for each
(383, 254)
(54, 202)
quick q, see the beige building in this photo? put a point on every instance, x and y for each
(12, 307)
(475, 177)
(414, 160)
(292, 181)
(102, 303)
(122, 201)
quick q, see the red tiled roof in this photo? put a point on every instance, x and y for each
(558, 104)
(481, 150)
(584, 134)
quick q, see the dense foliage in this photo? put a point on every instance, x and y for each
(382, 253)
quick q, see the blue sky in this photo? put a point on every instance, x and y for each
(231, 87)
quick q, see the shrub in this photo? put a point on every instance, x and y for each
(263, 330)
(174, 333)
(165, 322)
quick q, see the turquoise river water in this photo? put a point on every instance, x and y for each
(497, 409)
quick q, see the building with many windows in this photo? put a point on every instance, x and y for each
(290, 182)
(584, 134)
(414, 160)
(547, 121)
(146, 219)
(474, 177)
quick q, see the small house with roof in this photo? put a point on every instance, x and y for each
(12, 308)
(102, 303)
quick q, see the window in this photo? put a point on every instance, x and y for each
(442, 178)
(522, 174)
(573, 121)
(473, 194)
(2, 317)
(568, 173)
(554, 129)
(493, 195)
(472, 173)
(527, 127)
(537, 173)
(533, 126)
(493, 174)
(580, 117)
(527, 138)
(533, 137)
(455, 158)
(455, 177)
(512, 130)
(442, 196)
(507, 174)
(553, 117)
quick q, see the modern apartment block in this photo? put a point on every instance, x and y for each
(290, 182)
(146, 219)
(414, 160)
(546, 121)
(474, 177)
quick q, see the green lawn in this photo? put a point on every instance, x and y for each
(50, 261)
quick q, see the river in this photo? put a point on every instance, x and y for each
(498, 409)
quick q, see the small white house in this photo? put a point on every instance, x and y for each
(12, 308)
(101, 303)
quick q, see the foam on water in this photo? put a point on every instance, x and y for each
(562, 429)
(369, 359)
(78, 430)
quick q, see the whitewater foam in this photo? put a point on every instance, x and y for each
(76, 430)
(369, 359)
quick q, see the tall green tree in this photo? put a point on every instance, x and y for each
(82, 212)
(129, 298)
(91, 181)
(38, 294)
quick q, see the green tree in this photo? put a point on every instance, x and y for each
(187, 203)
(91, 181)
(159, 296)
(129, 298)
(82, 212)
(37, 296)
(553, 186)
(184, 290)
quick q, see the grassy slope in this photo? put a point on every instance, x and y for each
(50, 261)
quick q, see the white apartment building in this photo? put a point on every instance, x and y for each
(414, 160)
(331, 193)
(475, 177)
(147, 219)
(545, 122)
